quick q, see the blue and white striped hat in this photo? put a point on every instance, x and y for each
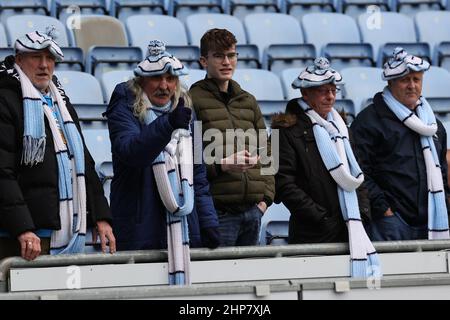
(318, 74)
(401, 63)
(159, 61)
(37, 41)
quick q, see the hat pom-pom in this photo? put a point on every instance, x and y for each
(321, 63)
(156, 47)
(399, 54)
(52, 32)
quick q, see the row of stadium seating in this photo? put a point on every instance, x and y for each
(183, 8)
(271, 41)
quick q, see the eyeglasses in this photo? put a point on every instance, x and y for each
(324, 91)
(220, 57)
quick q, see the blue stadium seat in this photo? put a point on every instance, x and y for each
(122, 9)
(346, 55)
(298, 8)
(143, 28)
(248, 56)
(264, 29)
(189, 55)
(443, 55)
(355, 8)
(287, 77)
(263, 84)
(86, 31)
(241, 8)
(387, 27)
(73, 59)
(81, 87)
(412, 7)
(62, 9)
(447, 129)
(347, 106)
(3, 38)
(436, 83)
(279, 57)
(193, 76)
(104, 59)
(111, 79)
(17, 26)
(323, 28)
(441, 108)
(11, 8)
(99, 146)
(275, 225)
(198, 24)
(184, 8)
(4, 52)
(269, 108)
(361, 84)
(433, 27)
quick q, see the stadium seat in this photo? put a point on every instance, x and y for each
(269, 108)
(275, 225)
(287, 77)
(248, 56)
(433, 27)
(443, 55)
(17, 26)
(390, 27)
(4, 52)
(354, 8)
(447, 129)
(298, 8)
(264, 29)
(241, 8)
(3, 39)
(189, 55)
(73, 59)
(96, 30)
(198, 24)
(436, 83)
(143, 28)
(279, 57)
(412, 7)
(347, 106)
(62, 9)
(361, 83)
(81, 87)
(184, 8)
(104, 59)
(323, 28)
(194, 75)
(11, 8)
(263, 84)
(111, 79)
(122, 9)
(441, 108)
(346, 55)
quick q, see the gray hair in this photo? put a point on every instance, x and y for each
(139, 107)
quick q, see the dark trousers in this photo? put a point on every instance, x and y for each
(394, 228)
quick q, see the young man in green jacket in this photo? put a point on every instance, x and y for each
(241, 191)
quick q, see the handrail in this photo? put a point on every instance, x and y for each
(142, 256)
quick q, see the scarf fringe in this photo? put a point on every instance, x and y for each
(33, 150)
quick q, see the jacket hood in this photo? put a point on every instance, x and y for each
(283, 120)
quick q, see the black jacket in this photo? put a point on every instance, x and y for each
(304, 184)
(391, 158)
(29, 195)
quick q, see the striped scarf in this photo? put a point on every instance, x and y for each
(173, 170)
(331, 137)
(70, 159)
(424, 123)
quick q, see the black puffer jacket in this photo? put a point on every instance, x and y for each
(29, 195)
(305, 186)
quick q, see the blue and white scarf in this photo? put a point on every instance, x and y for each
(173, 170)
(424, 123)
(331, 137)
(70, 159)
